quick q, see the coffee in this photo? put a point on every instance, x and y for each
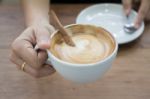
(93, 44)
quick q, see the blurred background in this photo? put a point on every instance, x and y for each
(9, 1)
(66, 1)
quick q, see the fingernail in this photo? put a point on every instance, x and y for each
(44, 41)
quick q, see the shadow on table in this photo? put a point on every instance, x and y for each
(129, 47)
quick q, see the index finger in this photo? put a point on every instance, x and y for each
(144, 7)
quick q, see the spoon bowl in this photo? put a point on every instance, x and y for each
(129, 28)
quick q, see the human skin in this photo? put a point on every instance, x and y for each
(36, 33)
(142, 11)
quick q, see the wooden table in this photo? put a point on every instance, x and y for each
(129, 77)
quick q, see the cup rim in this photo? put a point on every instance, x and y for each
(87, 64)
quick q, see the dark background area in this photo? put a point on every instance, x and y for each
(85, 1)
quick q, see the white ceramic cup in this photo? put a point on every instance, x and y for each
(82, 73)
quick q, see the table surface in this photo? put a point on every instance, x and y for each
(129, 77)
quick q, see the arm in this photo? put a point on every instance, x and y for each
(36, 11)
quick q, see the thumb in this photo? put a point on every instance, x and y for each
(127, 5)
(142, 13)
(43, 37)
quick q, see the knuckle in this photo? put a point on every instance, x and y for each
(37, 74)
(15, 46)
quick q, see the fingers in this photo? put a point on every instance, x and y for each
(24, 49)
(43, 36)
(45, 71)
(127, 5)
(144, 7)
(42, 57)
(16, 60)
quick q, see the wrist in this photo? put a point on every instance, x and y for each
(44, 25)
(37, 21)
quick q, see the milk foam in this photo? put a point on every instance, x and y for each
(88, 49)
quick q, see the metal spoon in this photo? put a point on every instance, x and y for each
(129, 26)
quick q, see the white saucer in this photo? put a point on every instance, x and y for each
(112, 18)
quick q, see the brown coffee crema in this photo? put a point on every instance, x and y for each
(93, 44)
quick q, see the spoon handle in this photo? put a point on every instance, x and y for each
(62, 30)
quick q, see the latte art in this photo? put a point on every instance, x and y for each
(92, 44)
(88, 49)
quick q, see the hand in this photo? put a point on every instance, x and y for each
(142, 12)
(23, 50)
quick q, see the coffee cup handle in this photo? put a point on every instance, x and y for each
(47, 61)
